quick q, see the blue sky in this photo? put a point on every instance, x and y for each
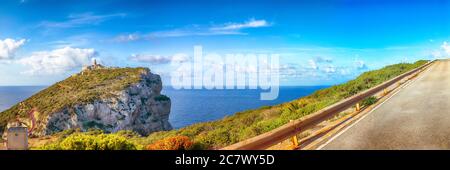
(319, 43)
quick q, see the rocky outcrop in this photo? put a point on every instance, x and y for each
(139, 107)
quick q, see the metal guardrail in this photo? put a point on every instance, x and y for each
(294, 127)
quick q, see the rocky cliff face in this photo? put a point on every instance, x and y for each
(139, 107)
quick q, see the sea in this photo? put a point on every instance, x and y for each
(188, 106)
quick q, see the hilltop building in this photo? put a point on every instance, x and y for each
(93, 66)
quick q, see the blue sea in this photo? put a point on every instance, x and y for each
(188, 106)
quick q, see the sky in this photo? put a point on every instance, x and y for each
(319, 42)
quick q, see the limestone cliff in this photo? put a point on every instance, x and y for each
(110, 99)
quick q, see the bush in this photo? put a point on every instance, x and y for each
(172, 143)
(82, 141)
(162, 98)
(128, 134)
(369, 101)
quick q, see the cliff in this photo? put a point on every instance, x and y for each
(110, 99)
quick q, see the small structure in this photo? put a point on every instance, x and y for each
(92, 67)
(17, 138)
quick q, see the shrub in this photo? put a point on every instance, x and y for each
(128, 134)
(83, 141)
(172, 143)
(114, 142)
(369, 101)
(162, 98)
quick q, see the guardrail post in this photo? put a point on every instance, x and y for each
(385, 92)
(358, 108)
(294, 140)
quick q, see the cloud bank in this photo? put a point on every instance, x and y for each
(157, 59)
(8, 47)
(443, 52)
(57, 61)
(446, 47)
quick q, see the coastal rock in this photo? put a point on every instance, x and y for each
(136, 108)
(139, 107)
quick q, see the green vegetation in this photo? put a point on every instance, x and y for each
(95, 139)
(369, 101)
(247, 124)
(77, 89)
(92, 140)
(162, 98)
(172, 143)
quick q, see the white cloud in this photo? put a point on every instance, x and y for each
(252, 23)
(192, 31)
(446, 47)
(320, 59)
(360, 65)
(77, 20)
(9, 46)
(329, 69)
(199, 30)
(291, 70)
(436, 54)
(57, 61)
(442, 52)
(312, 64)
(180, 58)
(157, 59)
(345, 71)
(128, 37)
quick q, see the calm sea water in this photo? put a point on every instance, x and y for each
(188, 106)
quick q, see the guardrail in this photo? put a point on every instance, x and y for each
(294, 127)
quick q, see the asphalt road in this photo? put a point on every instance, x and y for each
(417, 117)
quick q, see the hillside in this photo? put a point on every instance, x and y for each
(85, 100)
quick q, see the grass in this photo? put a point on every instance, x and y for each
(77, 89)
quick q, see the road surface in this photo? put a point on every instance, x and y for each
(417, 117)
